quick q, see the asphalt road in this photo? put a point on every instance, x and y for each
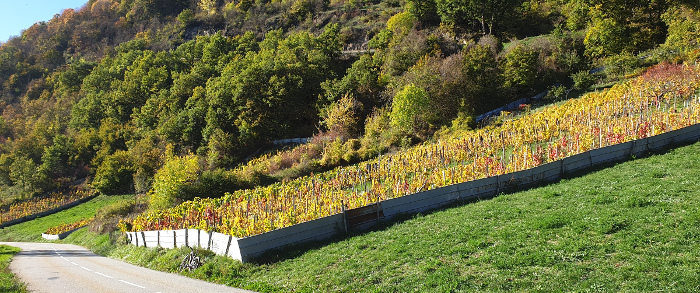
(49, 267)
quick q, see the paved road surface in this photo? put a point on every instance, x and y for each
(50, 267)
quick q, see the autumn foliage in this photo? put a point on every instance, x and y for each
(65, 227)
(661, 100)
(35, 206)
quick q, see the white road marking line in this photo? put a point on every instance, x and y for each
(101, 274)
(84, 268)
(132, 284)
(74, 263)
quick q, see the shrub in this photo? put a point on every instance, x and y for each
(583, 79)
(620, 65)
(170, 182)
(212, 183)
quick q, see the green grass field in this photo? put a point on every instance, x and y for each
(8, 282)
(631, 227)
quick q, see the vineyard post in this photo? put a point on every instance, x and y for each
(210, 240)
(143, 235)
(379, 206)
(158, 239)
(186, 240)
(229, 244)
(345, 216)
(174, 239)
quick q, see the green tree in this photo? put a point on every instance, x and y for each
(484, 15)
(361, 81)
(481, 73)
(409, 108)
(56, 160)
(23, 173)
(424, 10)
(170, 181)
(270, 93)
(115, 174)
(519, 68)
(605, 38)
(683, 28)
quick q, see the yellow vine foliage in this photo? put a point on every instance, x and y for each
(663, 99)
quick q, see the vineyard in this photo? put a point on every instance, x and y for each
(65, 227)
(47, 203)
(662, 99)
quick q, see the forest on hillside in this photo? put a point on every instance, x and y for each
(137, 94)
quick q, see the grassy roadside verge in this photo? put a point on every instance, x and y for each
(8, 282)
(632, 227)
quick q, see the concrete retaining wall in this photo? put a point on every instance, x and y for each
(243, 249)
(59, 236)
(247, 248)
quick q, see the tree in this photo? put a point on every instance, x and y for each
(362, 82)
(56, 161)
(481, 72)
(23, 173)
(625, 26)
(72, 79)
(115, 174)
(519, 68)
(485, 14)
(605, 38)
(424, 10)
(683, 28)
(270, 93)
(409, 108)
(171, 180)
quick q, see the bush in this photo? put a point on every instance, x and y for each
(213, 183)
(170, 183)
(556, 92)
(583, 79)
(379, 135)
(618, 66)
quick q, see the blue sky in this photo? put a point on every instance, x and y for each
(17, 15)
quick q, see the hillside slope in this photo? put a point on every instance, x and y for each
(105, 91)
(629, 227)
